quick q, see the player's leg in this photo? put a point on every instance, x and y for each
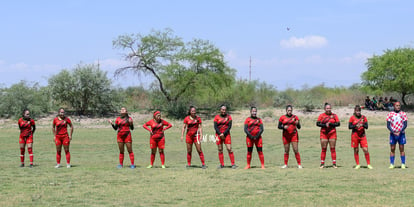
(356, 157)
(220, 153)
(324, 146)
(30, 151)
(402, 154)
(22, 151)
(231, 155)
(131, 154)
(259, 148)
(249, 145)
(67, 154)
(189, 153)
(392, 155)
(161, 146)
(121, 147)
(286, 154)
(200, 153)
(295, 146)
(332, 145)
(58, 143)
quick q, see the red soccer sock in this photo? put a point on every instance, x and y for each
(286, 158)
(333, 155)
(162, 156)
(221, 158)
(356, 156)
(58, 156)
(132, 158)
(323, 155)
(367, 158)
(22, 155)
(121, 158)
(249, 158)
(67, 153)
(188, 159)
(30, 150)
(231, 155)
(261, 158)
(152, 158)
(201, 154)
(297, 156)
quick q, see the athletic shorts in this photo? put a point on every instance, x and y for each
(160, 143)
(250, 142)
(400, 139)
(124, 137)
(288, 138)
(192, 139)
(226, 140)
(328, 135)
(62, 139)
(25, 140)
(357, 140)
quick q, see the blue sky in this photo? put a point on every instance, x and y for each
(328, 41)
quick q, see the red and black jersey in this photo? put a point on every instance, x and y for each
(192, 124)
(156, 128)
(325, 118)
(289, 121)
(253, 125)
(26, 127)
(61, 125)
(124, 124)
(223, 123)
(353, 121)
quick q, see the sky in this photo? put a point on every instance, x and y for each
(292, 44)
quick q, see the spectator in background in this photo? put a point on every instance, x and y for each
(368, 103)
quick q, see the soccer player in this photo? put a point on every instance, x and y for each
(358, 123)
(328, 122)
(156, 127)
(396, 124)
(222, 126)
(290, 124)
(27, 128)
(124, 125)
(60, 131)
(253, 127)
(194, 135)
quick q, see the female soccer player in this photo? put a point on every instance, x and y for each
(253, 127)
(156, 127)
(27, 128)
(60, 130)
(194, 135)
(222, 126)
(124, 125)
(328, 122)
(290, 124)
(358, 123)
(396, 124)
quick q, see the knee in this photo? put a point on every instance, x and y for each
(259, 149)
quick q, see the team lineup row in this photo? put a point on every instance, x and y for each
(253, 127)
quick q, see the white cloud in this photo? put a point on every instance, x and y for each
(305, 42)
(362, 56)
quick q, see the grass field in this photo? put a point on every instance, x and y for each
(94, 180)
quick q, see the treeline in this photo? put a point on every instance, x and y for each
(86, 90)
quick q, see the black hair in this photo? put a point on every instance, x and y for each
(289, 106)
(326, 104)
(189, 110)
(253, 107)
(24, 111)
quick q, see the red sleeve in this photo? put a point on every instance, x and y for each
(336, 118)
(320, 118)
(230, 119)
(32, 122)
(185, 120)
(68, 121)
(199, 120)
(167, 124)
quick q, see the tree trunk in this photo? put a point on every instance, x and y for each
(403, 95)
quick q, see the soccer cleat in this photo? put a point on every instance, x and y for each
(300, 166)
(322, 165)
(163, 166)
(247, 167)
(22, 165)
(220, 166)
(57, 166)
(203, 167)
(188, 166)
(391, 166)
(234, 166)
(357, 167)
(402, 166)
(31, 165)
(334, 166)
(149, 166)
(370, 167)
(284, 166)
(68, 166)
(132, 166)
(119, 166)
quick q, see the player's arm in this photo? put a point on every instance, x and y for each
(200, 131)
(246, 130)
(260, 131)
(298, 126)
(389, 126)
(280, 125)
(168, 125)
(225, 133)
(71, 130)
(54, 128)
(33, 128)
(216, 128)
(404, 126)
(114, 126)
(131, 123)
(319, 124)
(182, 131)
(337, 123)
(145, 126)
(351, 126)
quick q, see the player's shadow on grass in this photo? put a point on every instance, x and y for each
(331, 166)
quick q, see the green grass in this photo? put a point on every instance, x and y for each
(95, 181)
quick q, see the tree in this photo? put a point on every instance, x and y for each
(85, 88)
(391, 72)
(24, 95)
(182, 70)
